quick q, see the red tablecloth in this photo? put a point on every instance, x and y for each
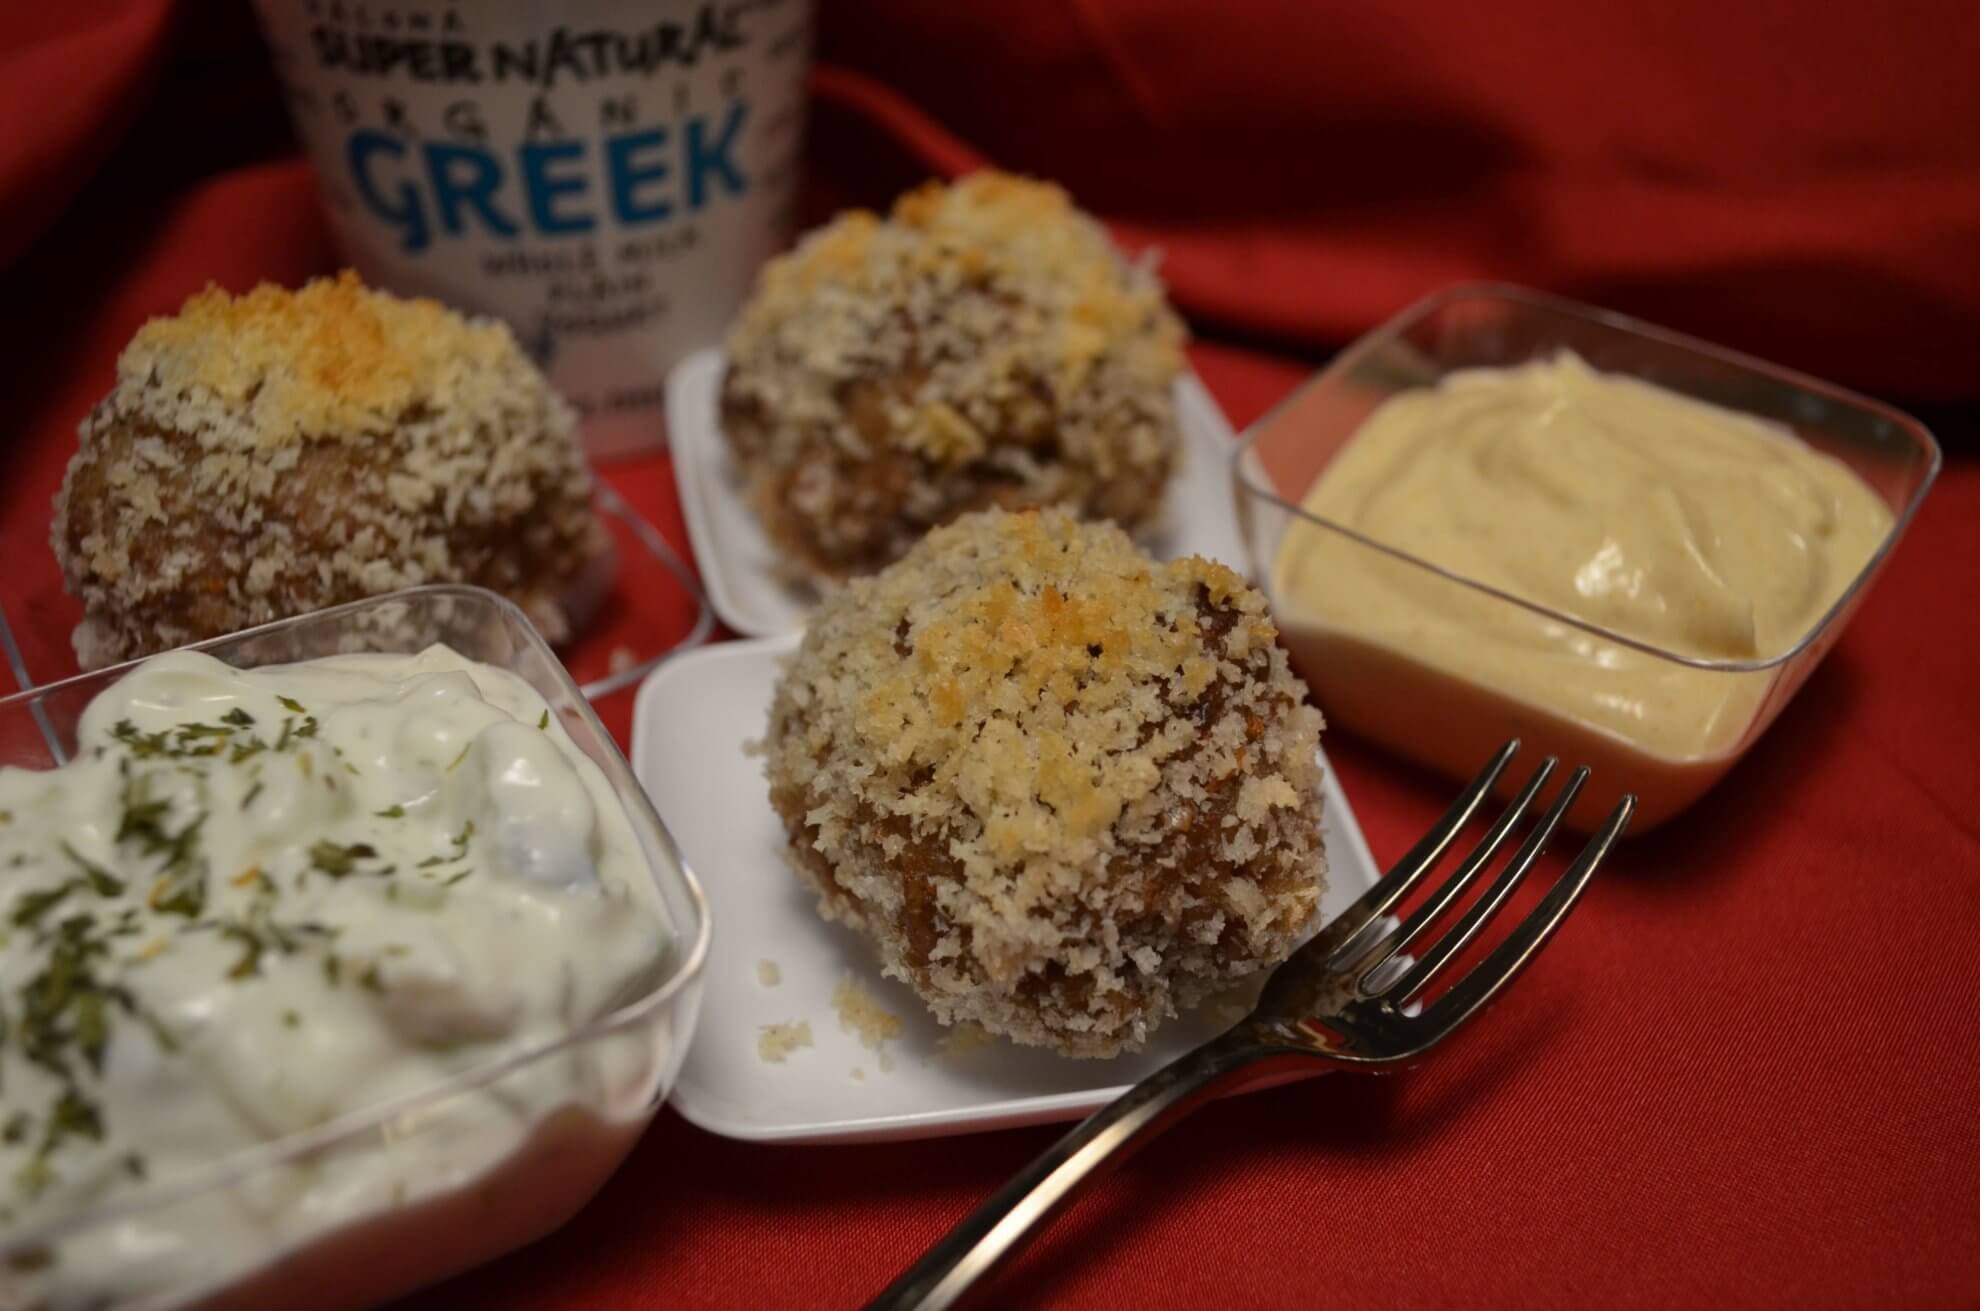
(1747, 1073)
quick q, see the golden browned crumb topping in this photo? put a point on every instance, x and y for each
(983, 346)
(273, 453)
(333, 360)
(1065, 789)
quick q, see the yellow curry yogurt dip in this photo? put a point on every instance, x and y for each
(259, 900)
(1689, 527)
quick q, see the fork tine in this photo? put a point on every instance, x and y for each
(1440, 952)
(1453, 887)
(1393, 886)
(1509, 957)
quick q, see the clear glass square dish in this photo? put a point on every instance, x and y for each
(1438, 709)
(444, 1177)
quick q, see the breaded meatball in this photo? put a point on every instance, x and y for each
(265, 455)
(983, 346)
(1065, 790)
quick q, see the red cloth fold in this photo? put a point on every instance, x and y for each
(1803, 187)
(1744, 1074)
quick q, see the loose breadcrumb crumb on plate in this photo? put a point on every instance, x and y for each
(965, 1038)
(864, 1017)
(776, 1041)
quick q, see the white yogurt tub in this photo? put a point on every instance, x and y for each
(330, 977)
(606, 175)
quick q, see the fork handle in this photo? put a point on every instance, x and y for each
(1020, 1209)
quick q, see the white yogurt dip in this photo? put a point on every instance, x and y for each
(261, 900)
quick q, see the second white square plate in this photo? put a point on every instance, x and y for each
(739, 567)
(690, 725)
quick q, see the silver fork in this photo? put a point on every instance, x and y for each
(1344, 1001)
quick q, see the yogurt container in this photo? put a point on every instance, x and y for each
(606, 175)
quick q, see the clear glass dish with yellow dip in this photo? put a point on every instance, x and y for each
(1506, 514)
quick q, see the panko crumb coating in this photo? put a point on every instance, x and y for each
(269, 454)
(985, 345)
(1066, 791)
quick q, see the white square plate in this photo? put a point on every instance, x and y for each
(739, 567)
(690, 724)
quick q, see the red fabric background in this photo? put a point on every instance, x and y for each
(1747, 1073)
(1799, 180)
